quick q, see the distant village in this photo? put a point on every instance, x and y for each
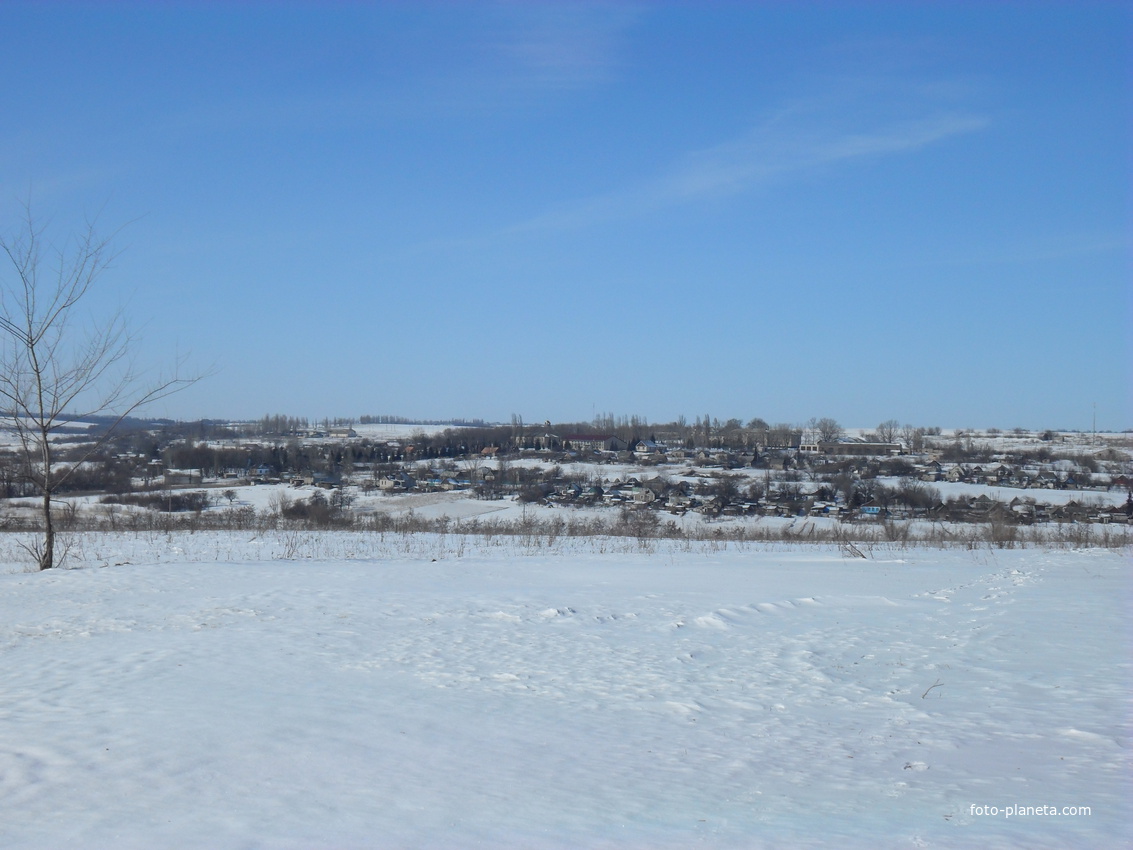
(848, 479)
(715, 470)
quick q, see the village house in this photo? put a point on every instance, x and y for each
(396, 481)
(594, 443)
(648, 451)
(642, 495)
(957, 474)
(259, 474)
(931, 471)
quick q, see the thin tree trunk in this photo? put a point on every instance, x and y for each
(47, 556)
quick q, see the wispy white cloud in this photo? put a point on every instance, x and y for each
(495, 57)
(778, 148)
(560, 45)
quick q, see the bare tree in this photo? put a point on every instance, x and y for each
(55, 368)
(783, 435)
(913, 437)
(726, 487)
(827, 429)
(888, 430)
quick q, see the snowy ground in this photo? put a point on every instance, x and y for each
(198, 692)
(959, 490)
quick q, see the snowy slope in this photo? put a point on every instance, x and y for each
(691, 696)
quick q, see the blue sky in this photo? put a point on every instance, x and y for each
(912, 211)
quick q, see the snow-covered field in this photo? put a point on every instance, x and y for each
(198, 691)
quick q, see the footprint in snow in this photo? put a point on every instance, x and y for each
(557, 612)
